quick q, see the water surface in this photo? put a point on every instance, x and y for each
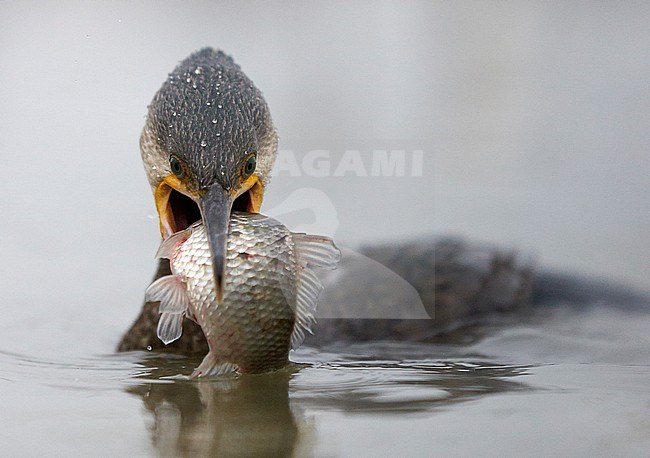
(560, 383)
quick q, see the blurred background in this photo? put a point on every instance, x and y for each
(533, 120)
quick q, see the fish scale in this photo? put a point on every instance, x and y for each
(269, 298)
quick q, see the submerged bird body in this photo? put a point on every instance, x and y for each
(269, 298)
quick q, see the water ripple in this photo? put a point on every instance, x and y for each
(407, 386)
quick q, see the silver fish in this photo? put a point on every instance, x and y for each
(270, 295)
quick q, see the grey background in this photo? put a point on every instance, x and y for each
(534, 119)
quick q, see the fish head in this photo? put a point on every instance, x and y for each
(208, 147)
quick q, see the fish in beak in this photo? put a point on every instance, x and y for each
(179, 207)
(208, 151)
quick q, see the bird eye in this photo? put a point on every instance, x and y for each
(249, 166)
(176, 166)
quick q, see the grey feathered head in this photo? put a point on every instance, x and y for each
(208, 137)
(211, 116)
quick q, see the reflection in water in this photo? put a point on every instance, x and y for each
(265, 415)
(246, 415)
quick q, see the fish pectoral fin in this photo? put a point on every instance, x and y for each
(171, 292)
(316, 251)
(211, 366)
(311, 251)
(170, 327)
(309, 288)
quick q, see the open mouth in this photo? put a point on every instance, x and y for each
(182, 211)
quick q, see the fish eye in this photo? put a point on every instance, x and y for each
(176, 166)
(249, 166)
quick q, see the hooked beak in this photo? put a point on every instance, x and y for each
(215, 208)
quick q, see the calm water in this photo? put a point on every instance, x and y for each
(559, 384)
(533, 119)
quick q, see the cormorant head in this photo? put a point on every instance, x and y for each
(208, 147)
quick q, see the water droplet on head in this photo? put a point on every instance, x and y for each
(204, 143)
(198, 70)
(219, 106)
(208, 103)
(214, 121)
(187, 80)
(218, 134)
(149, 348)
